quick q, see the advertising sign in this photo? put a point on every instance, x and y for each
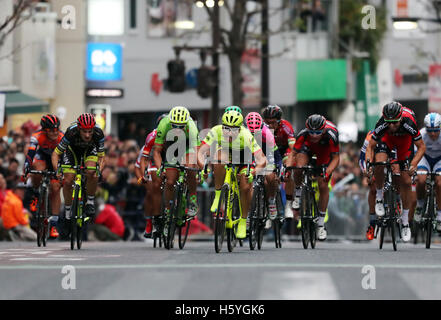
(102, 114)
(104, 62)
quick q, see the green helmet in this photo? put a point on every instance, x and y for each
(232, 119)
(179, 115)
(234, 108)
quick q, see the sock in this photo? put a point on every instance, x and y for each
(90, 200)
(405, 217)
(420, 203)
(321, 220)
(379, 195)
(298, 192)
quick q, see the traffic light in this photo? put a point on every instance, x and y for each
(176, 76)
(206, 81)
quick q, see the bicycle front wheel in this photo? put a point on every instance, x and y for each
(73, 217)
(254, 219)
(220, 219)
(172, 218)
(183, 233)
(305, 214)
(231, 233)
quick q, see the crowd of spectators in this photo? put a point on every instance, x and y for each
(119, 192)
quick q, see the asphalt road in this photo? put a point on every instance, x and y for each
(136, 270)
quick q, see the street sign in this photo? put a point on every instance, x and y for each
(104, 62)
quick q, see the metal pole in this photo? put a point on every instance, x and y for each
(265, 94)
(215, 59)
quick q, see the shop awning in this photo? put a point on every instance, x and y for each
(321, 80)
(18, 102)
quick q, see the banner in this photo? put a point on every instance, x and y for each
(435, 88)
(368, 106)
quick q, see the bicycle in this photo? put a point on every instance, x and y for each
(177, 217)
(43, 205)
(308, 205)
(428, 218)
(78, 219)
(391, 218)
(258, 214)
(229, 211)
(279, 220)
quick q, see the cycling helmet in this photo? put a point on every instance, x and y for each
(272, 111)
(232, 119)
(49, 121)
(233, 108)
(315, 122)
(432, 121)
(179, 115)
(392, 111)
(254, 121)
(86, 121)
(162, 116)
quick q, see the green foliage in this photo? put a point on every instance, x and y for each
(370, 40)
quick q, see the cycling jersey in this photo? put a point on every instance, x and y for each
(244, 139)
(41, 147)
(167, 135)
(324, 148)
(431, 160)
(146, 151)
(265, 139)
(401, 140)
(284, 136)
(73, 139)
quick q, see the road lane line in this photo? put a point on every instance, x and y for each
(220, 266)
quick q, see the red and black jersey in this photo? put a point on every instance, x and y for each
(324, 148)
(401, 140)
(284, 136)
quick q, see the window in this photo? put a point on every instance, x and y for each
(307, 15)
(166, 17)
(105, 17)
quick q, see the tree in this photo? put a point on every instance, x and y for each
(16, 18)
(351, 31)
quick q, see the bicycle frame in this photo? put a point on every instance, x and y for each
(231, 181)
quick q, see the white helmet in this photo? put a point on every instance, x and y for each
(432, 121)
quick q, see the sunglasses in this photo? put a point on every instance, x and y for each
(231, 129)
(178, 126)
(433, 130)
(392, 120)
(51, 130)
(316, 132)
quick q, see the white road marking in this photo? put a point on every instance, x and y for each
(298, 285)
(48, 259)
(426, 288)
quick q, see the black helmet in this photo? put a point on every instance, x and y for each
(392, 111)
(315, 122)
(272, 112)
(50, 121)
(162, 116)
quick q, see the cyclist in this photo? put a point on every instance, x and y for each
(431, 162)
(320, 138)
(83, 137)
(152, 203)
(229, 143)
(370, 233)
(397, 130)
(285, 139)
(178, 131)
(42, 144)
(233, 108)
(265, 139)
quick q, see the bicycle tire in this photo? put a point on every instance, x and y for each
(73, 218)
(261, 222)
(220, 219)
(183, 233)
(277, 223)
(429, 220)
(172, 218)
(39, 221)
(253, 220)
(81, 224)
(393, 233)
(304, 213)
(382, 232)
(231, 233)
(46, 226)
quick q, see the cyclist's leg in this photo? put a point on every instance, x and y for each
(219, 176)
(289, 184)
(68, 180)
(191, 161)
(271, 186)
(422, 170)
(246, 195)
(381, 155)
(437, 169)
(302, 159)
(91, 182)
(371, 205)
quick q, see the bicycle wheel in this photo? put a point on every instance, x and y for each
(254, 219)
(39, 215)
(183, 228)
(80, 224)
(220, 219)
(393, 233)
(428, 223)
(73, 217)
(172, 218)
(231, 233)
(277, 223)
(46, 226)
(305, 214)
(261, 222)
(382, 231)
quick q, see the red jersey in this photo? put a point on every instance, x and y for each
(284, 136)
(41, 143)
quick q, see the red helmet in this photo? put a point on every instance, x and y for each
(50, 121)
(254, 121)
(86, 121)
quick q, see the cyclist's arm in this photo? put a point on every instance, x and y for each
(157, 159)
(420, 153)
(370, 150)
(32, 150)
(204, 148)
(260, 161)
(335, 160)
(55, 158)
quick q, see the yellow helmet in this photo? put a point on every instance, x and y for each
(232, 119)
(179, 115)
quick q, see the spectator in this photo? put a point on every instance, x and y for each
(15, 216)
(11, 173)
(109, 225)
(3, 231)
